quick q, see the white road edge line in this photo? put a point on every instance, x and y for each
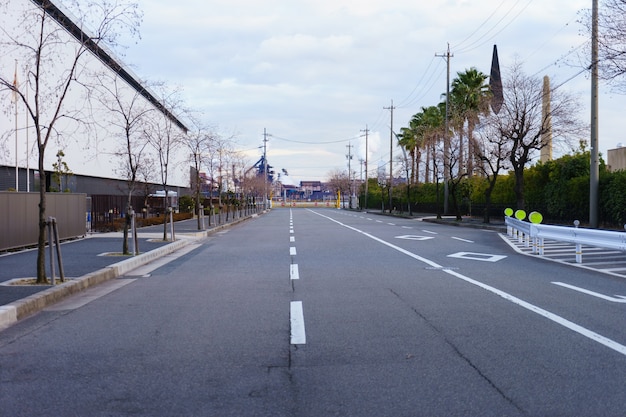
(611, 344)
(462, 240)
(616, 299)
(296, 318)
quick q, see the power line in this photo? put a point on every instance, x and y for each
(403, 102)
(561, 58)
(477, 43)
(314, 143)
(435, 76)
(481, 25)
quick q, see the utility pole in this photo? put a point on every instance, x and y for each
(390, 157)
(366, 156)
(594, 170)
(17, 173)
(349, 156)
(265, 135)
(446, 139)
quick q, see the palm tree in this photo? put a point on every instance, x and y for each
(433, 124)
(468, 96)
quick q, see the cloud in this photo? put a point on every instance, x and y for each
(322, 70)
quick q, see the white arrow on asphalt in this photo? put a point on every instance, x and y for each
(615, 299)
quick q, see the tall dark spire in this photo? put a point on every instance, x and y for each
(495, 83)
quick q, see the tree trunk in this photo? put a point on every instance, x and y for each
(452, 185)
(41, 242)
(198, 211)
(165, 215)
(470, 148)
(127, 221)
(486, 217)
(125, 238)
(519, 189)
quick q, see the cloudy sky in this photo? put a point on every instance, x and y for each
(316, 73)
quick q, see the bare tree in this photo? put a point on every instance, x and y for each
(55, 62)
(239, 165)
(339, 181)
(198, 142)
(611, 41)
(454, 171)
(522, 123)
(492, 151)
(127, 117)
(163, 135)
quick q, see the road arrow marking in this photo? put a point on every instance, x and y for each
(615, 299)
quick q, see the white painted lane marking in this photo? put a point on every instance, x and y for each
(291, 231)
(611, 344)
(294, 273)
(462, 240)
(391, 224)
(292, 238)
(296, 318)
(292, 250)
(616, 299)
(430, 231)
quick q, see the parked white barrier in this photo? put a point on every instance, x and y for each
(589, 237)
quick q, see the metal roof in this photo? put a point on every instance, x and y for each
(106, 57)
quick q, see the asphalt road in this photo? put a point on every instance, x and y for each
(324, 312)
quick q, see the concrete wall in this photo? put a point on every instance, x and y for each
(19, 214)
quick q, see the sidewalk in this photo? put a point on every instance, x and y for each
(86, 262)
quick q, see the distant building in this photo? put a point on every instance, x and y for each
(310, 187)
(616, 158)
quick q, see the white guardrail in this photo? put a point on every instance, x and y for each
(535, 234)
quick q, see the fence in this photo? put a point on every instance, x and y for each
(536, 234)
(19, 222)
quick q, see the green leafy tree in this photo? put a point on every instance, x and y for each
(61, 172)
